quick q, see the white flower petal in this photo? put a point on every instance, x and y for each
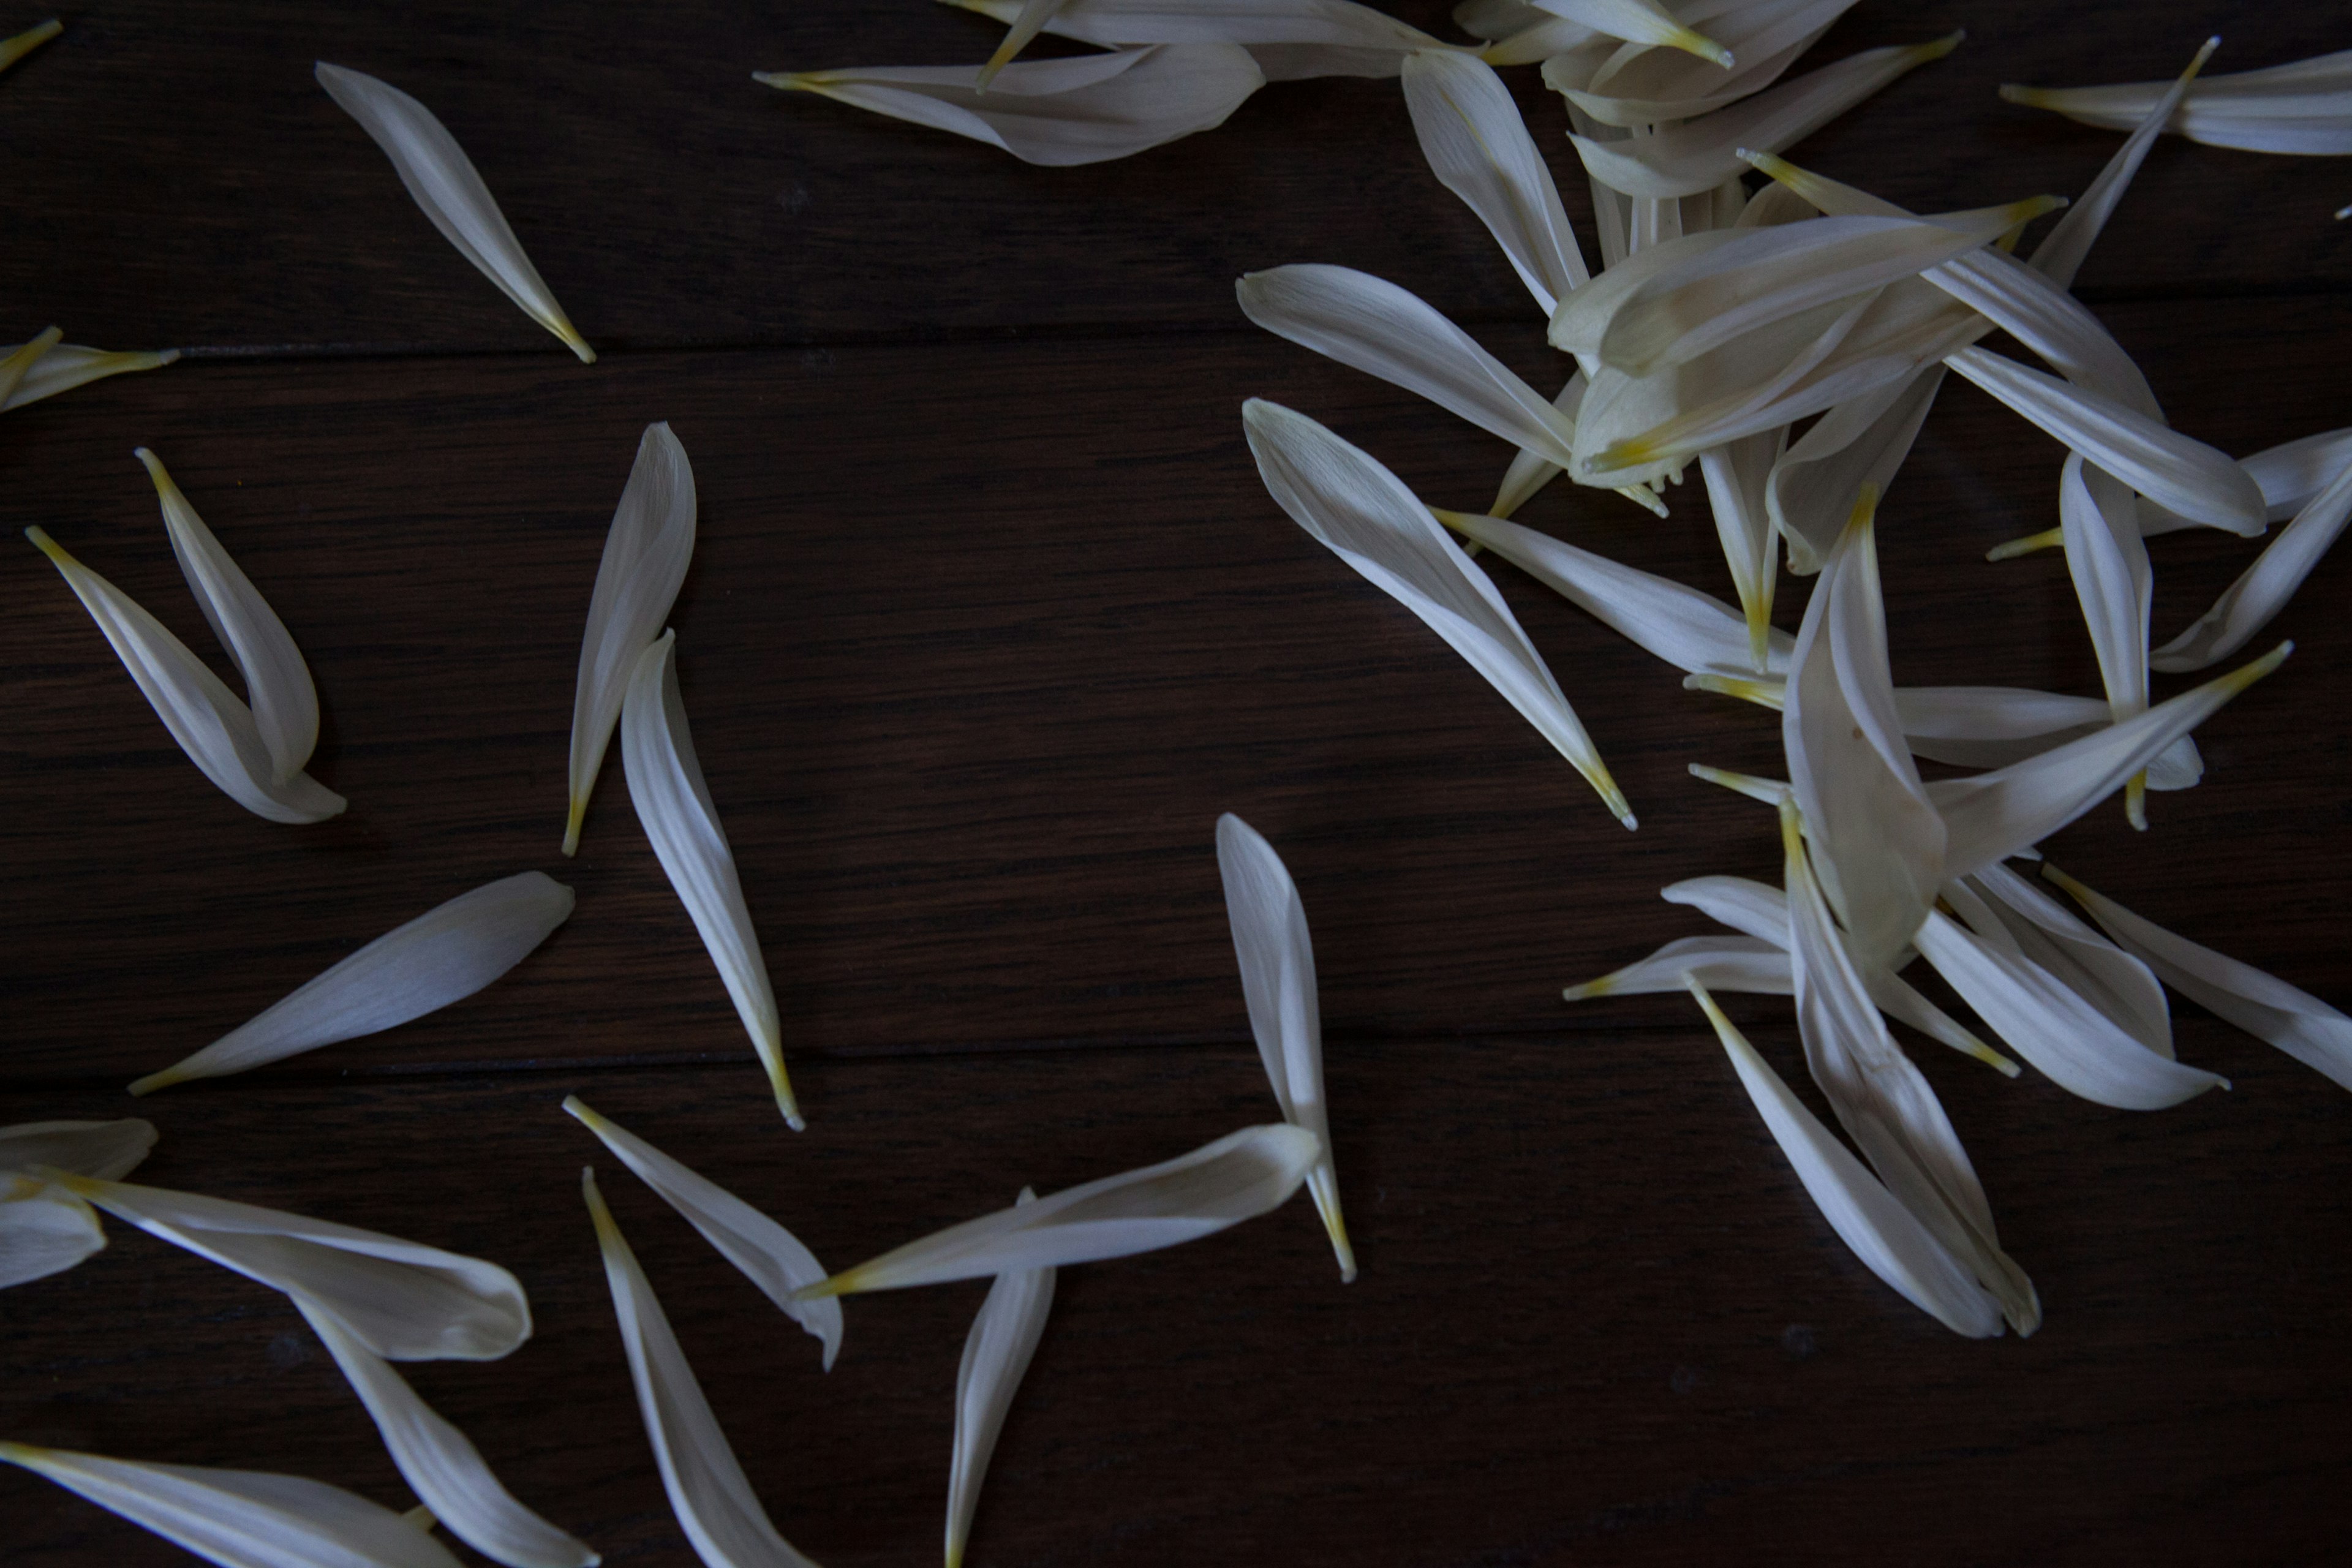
(1991, 816)
(1025, 24)
(1688, 629)
(2267, 1007)
(1289, 38)
(1083, 110)
(708, 1491)
(209, 721)
(2290, 475)
(241, 1519)
(107, 1150)
(647, 553)
(1278, 964)
(441, 956)
(1238, 1177)
(1741, 963)
(2262, 590)
(768, 1255)
(1378, 328)
(2072, 1042)
(1880, 842)
(2302, 107)
(1700, 154)
(1639, 22)
(24, 356)
(673, 804)
(2178, 472)
(1530, 472)
(284, 703)
(2031, 922)
(1736, 476)
(1492, 19)
(442, 181)
(1479, 148)
(1993, 726)
(1882, 1099)
(441, 1463)
(403, 1300)
(1868, 1218)
(2108, 561)
(13, 49)
(69, 365)
(1861, 441)
(996, 1355)
(44, 1230)
(2062, 251)
(1642, 87)
(1364, 515)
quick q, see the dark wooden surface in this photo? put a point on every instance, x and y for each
(989, 620)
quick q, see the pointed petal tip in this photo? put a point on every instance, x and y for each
(2049, 539)
(156, 1081)
(576, 815)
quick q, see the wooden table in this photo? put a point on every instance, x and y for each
(990, 619)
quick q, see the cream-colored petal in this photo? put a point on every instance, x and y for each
(24, 357)
(1743, 963)
(1026, 24)
(284, 703)
(1289, 38)
(1479, 149)
(2029, 922)
(1363, 514)
(441, 956)
(647, 553)
(709, 1492)
(240, 1519)
(2302, 107)
(1083, 110)
(2262, 590)
(1237, 1177)
(69, 365)
(673, 805)
(2062, 251)
(767, 1254)
(442, 181)
(43, 1229)
(209, 721)
(107, 1150)
(441, 1463)
(1640, 22)
(996, 1355)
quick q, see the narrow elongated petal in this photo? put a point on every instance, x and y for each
(768, 1255)
(401, 1298)
(2062, 251)
(241, 1519)
(647, 553)
(1639, 22)
(1277, 964)
(69, 365)
(1479, 148)
(996, 1355)
(1379, 328)
(23, 358)
(2108, 561)
(107, 1150)
(211, 724)
(1084, 110)
(278, 683)
(1365, 515)
(1238, 1177)
(1991, 816)
(1736, 476)
(2072, 1042)
(2290, 475)
(1882, 1099)
(441, 179)
(2301, 1025)
(1743, 963)
(2013, 914)
(43, 1229)
(2172, 469)
(673, 804)
(441, 956)
(2262, 590)
(1530, 472)
(1027, 23)
(1880, 840)
(1993, 726)
(2304, 106)
(1688, 629)
(1859, 442)
(1891, 1242)
(708, 1491)
(442, 1464)
(1700, 154)
(16, 48)
(1287, 38)
(1642, 87)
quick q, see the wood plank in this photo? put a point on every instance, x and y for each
(195, 187)
(971, 693)
(1597, 1319)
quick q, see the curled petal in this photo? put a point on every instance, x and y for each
(996, 1355)
(768, 1255)
(1639, 86)
(441, 179)
(1083, 110)
(1639, 22)
(673, 805)
(2262, 590)
(1364, 514)
(2012, 913)
(647, 553)
(241, 1519)
(400, 1299)
(43, 1229)
(1238, 1177)
(211, 724)
(441, 956)
(708, 1491)
(442, 1464)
